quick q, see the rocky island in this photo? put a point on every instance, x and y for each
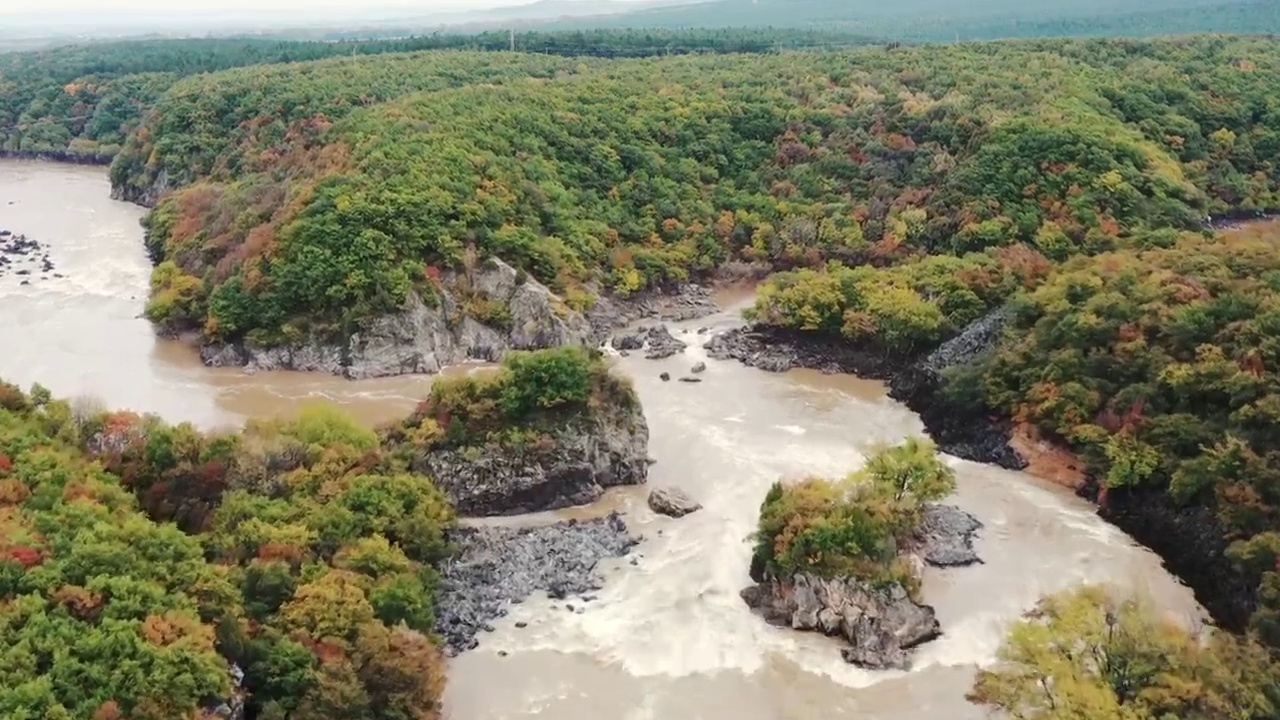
(548, 430)
(844, 558)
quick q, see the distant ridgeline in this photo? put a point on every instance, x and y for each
(78, 103)
(952, 20)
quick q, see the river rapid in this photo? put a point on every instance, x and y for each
(668, 638)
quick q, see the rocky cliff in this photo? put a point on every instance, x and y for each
(571, 465)
(426, 338)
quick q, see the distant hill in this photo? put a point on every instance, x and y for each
(946, 20)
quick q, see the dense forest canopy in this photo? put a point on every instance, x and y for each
(639, 173)
(79, 102)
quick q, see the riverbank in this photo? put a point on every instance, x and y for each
(914, 381)
(66, 158)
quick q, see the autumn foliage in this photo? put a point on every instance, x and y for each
(305, 562)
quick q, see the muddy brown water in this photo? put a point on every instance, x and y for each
(668, 638)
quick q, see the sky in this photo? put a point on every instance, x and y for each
(107, 7)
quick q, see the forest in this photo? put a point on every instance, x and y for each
(80, 102)
(152, 571)
(618, 176)
(959, 20)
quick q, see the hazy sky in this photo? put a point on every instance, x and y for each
(167, 7)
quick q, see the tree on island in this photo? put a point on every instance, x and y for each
(855, 526)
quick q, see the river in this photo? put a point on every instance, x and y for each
(668, 638)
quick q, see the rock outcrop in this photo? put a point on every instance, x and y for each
(146, 194)
(881, 624)
(958, 431)
(661, 344)
(426, 338)
(495, 567)
(1192, 542)
(686, 302)
(778, 350)
(672, 502)
(577, 461)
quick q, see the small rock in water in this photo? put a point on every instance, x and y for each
(700, 367)
(690, 380)
(522, 624)
(569, 607)
(662, 344)
(632, 341)
(502, 653)
(665, 377)
(672, 502)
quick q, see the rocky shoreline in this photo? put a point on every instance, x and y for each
(915, 381)
(881, 624)
(427, 337)
(496, 567)
(58, 156)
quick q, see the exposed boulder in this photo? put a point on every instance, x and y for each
(700, 367)
(660, 344)
(672, 502)
(495, 567)
(424, 338)
(945, 536)
(628, 341)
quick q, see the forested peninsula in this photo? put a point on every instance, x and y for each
(1026, 237)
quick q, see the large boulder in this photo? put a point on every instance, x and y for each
(672, 502)
(661, 344)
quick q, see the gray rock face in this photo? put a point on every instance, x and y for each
(496, 567)
(672, 502)
(976, 339)
(424, 339)
(881, 625)
(946, 536)
(686, 302)
(583, 457)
